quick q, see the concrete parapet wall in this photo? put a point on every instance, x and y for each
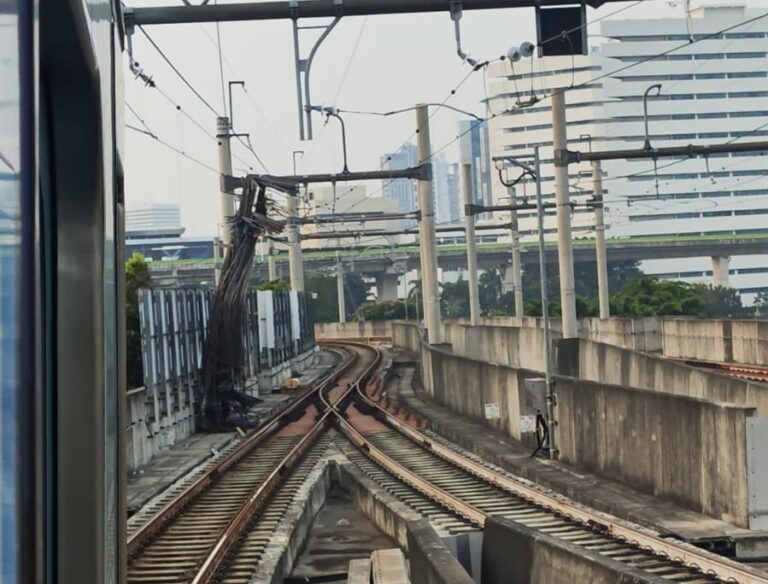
(511, 346)
(750, 341)
(641, 334)
(737, 341)
(689, 450)
(466, 384)
(606, 363)
(353, 329)
(406, 335)
(431, 562)
(515, 554)
(698, 339)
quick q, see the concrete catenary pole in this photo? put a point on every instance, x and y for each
(517, 269)
(340, 289)
(469, 230)
(271, 264)
(226, 200)
(600, 255)
(295, 261)
(564, 243)
(429, 280)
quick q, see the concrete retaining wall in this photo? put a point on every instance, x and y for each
(354, 329)
(515, 554)
(737, 341)
(430, 560)
(605, 363)
(691, 451)
(141, 442)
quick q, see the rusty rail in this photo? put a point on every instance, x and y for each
(738, 370)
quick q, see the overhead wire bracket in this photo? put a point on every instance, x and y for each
(303, 65)
(456, 8)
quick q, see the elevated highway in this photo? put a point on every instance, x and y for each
(380, 261)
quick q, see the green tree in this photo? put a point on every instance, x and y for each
(454, 299)
(649, 296)
(489, 290)
(761, 304)
(385, 310)
(275, 285)
(327, 305)
(136, 277)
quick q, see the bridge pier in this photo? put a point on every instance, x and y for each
(720, 269)
(386, 286)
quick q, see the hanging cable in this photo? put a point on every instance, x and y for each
(178, 73)
(171, 147)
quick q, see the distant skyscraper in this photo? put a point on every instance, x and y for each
(475, 150)
(402, 190)
(446, 184)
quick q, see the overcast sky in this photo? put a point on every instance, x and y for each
(377, 63)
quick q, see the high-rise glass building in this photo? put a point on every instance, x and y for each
(713, 90)
(475, 150)
(402, 190)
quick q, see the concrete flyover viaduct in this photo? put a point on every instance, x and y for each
(386, 263)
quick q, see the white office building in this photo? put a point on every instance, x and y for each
(152, 221)
(712, 91)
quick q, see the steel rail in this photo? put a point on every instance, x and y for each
(690, 555)
(462, 509)
(143, 536)
(238, 525)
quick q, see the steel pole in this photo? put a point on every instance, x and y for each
(564, 243)
(545, 310)
(517, 266)
(469, 230)
(226, 200)
(287, 9)
(271, 264)
(430, 291)
(340, 289)
(216, 261)
(295, 261)
(600, 253)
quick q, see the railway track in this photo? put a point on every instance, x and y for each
(203, 525)
(218, 532)
(747, 372)
(474, 492)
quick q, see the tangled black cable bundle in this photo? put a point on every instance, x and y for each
(224, 350)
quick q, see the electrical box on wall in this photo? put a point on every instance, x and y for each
(561, 30)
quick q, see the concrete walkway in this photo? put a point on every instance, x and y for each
(170, 465)
(589, 489)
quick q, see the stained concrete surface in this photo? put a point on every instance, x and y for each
(340, 533)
